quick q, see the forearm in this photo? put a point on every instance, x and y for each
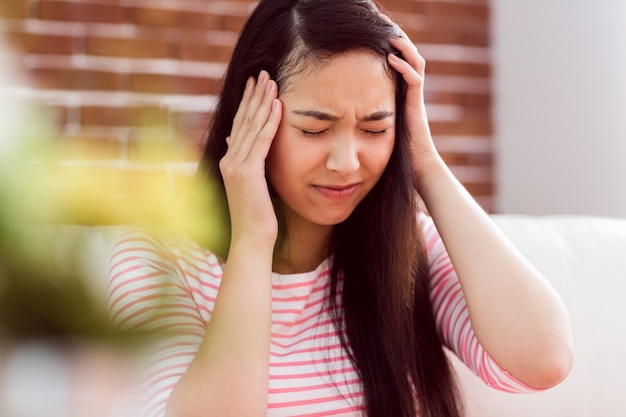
(516, 315)
(229, 375)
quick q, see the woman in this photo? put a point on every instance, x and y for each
(335, 295)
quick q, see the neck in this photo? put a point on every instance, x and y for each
(303, 250)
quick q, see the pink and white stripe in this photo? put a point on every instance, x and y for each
(170, 284)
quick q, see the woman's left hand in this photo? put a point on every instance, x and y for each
(412, 67)
(516, 314)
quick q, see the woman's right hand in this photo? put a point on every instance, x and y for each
(243, 166)
(234, 354)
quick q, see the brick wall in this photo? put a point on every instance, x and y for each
(117, 74)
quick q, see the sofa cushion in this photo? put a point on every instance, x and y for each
(585, 260)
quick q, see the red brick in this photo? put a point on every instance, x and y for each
(161, 17)
(193, 137)
(422, 35)
(468, 69)
(104, 116)
(74, 79)
(478, 100)
(402, 6)
(469, 100)
(14, 9)
(127, 47)
(108, 116)
(456, 9)
(233, 15)
(465, 127)
(468, 158)
(233, 22)
(175, 18)
(446, 36)
(446, 30)
(167, 33)
(77, 11)
(205, 52)
(192, 127)
(189, 121)
(115, 2)
(199, 20)
(173, 84)
(157, 146)
(206, 46)
(478, 188)
(77, 147)
(37, 43)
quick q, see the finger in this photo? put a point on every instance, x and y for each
(266, 136)
(410, 54)
(257, 120)
(250, 120)
(243, 105)
(253, 93)
(246, 122)
(412, 77)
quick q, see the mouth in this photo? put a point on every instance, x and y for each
(337, 191)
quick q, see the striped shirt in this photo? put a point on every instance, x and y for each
(169, 283)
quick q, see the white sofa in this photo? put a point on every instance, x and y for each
(583, 257)
(585, 260)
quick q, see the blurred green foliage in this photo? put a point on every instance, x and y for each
(36, 191)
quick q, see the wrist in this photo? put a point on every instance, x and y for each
(262, 236)
(426, 169)
(253, 244)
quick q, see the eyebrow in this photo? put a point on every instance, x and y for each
(319, 115)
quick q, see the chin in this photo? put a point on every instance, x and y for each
(333, 220)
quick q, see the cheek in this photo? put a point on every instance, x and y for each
(291, 154)
(379, 156)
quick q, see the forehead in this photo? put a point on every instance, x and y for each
(352, 77)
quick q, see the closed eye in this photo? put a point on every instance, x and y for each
(376, 132)
(313, 134)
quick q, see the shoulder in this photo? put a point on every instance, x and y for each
(159, 249)
(151, 257)
(137, 243)
(149, 269)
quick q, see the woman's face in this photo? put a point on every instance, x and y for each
(335, 138)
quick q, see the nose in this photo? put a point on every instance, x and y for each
(343, 157)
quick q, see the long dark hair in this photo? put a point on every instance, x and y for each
(379, 255)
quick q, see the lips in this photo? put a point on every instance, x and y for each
(337, 191)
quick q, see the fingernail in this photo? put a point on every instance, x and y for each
(385, 18)
(269, 87)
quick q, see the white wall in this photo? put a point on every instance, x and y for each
(560, 106)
